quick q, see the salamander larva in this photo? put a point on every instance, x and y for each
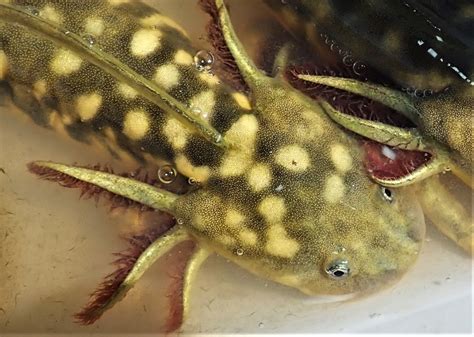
(282, 189)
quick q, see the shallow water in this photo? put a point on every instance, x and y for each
(55, 249)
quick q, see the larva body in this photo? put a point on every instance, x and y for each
(283, 190)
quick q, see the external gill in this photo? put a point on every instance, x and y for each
(145, 250)
(251, 74)
(408, 139)
(106, 62)
(391, 98)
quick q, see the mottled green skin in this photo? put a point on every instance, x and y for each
(284, 193)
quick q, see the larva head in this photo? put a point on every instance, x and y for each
(291, 201)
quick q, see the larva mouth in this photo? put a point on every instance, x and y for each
(386, 163)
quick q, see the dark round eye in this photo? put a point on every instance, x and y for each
(387, 194)
(338, 269)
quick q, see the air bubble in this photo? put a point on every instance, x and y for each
(199, 112)
(359, 68)
(409, 90)
(427, 92)
(348, 60)
(196, 110)
(239, 251)
(32, 10)
(203, 60)
(204, 114)
(218, 139)
(192, 181)
(90, 40)
(418, 93)
(180, 221)
(167, 174)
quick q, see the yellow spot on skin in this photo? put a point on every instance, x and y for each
(118, 2)
(234, 219)
(341, 157)
(167, 76)
(199, 221)
(136, 124)
(243, 133)
(259, 177)
(51, 14)
(205, 101)
(242, 136)
(199, 173)
(248, 237)
(127, 91)
(226, 240)
(234, 164)
(293, 158)
(145, 42)
(176, 133)
(65, 62)
(242, 100)
(94, 26)
(158, 20)
(183, 58)
(279, 243)
(209, 78)
(334, 189)
(272, 208)
(39, 89)
(3, 65)
(87, 106)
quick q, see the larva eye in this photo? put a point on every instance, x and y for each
(338, 269)
(387, 194)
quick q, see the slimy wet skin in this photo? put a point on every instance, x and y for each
(425, 58)
(283, 190)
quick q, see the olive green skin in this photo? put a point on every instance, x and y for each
(326, 209)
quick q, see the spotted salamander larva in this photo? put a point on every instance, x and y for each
(282, 189)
